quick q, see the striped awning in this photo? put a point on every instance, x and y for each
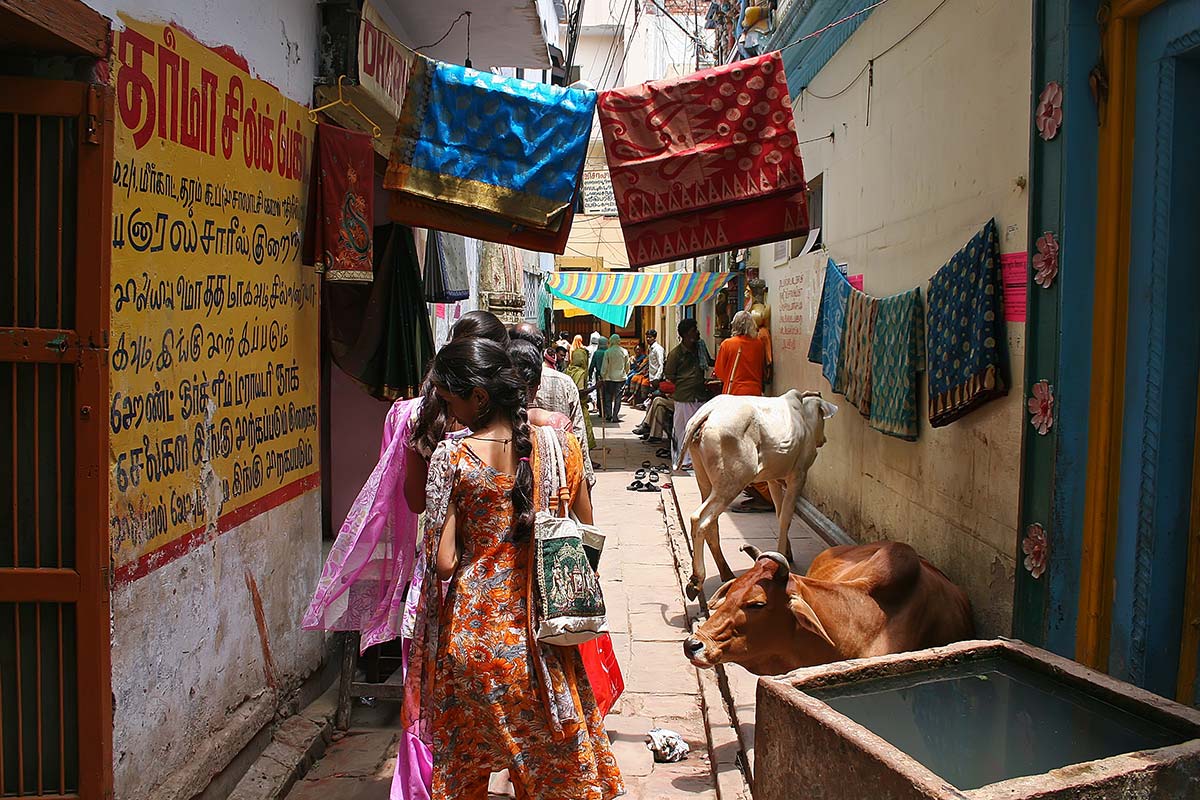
(637, 288)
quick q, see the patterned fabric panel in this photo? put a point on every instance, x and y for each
(488, 142)
(968, 348)
(830, 331)
(897, 356)
(861, 310)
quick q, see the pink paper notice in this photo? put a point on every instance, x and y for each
(1014, 272)
(856, 281)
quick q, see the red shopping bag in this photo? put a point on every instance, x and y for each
(603, 672)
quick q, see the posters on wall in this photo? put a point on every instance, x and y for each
(598, 196)
(214, 353)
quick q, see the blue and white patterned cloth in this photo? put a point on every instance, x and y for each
(490, 143)
(830, 330)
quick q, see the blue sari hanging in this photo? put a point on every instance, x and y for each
(478, 142)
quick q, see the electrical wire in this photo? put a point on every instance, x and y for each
(870, 62)
(612, 46)
(624, 47)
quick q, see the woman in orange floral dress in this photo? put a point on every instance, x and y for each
(480, 691)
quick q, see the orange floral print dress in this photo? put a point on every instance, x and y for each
(487, 714)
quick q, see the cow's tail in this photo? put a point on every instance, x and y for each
(692, 433)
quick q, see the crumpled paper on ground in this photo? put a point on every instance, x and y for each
(667, 745)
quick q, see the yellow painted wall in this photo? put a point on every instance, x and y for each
(946, 149)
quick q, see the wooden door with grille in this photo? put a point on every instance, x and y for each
(55, 216)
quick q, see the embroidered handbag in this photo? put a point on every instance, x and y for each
(569, 603)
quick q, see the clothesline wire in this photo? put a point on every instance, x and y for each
(870, 62)
(678, 24)
(833, 25)
(611, 45)
(625, 50)
(450, 30)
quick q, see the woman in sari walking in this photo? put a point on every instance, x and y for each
(481, 691)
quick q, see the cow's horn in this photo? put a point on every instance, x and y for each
(785, 569)
(751, 551)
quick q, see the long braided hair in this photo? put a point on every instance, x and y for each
(464, 365)
(429, 427)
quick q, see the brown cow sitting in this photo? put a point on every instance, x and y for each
(855, 601)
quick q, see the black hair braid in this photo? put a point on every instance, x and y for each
(429, 427)
(522, 493)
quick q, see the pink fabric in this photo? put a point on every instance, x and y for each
(363, 582)
(413, 778)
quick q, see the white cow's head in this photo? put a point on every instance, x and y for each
(814, 410)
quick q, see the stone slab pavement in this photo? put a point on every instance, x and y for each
(648, 617)
(736, 529)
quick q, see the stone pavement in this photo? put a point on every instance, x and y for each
(737, 529)
(648, 619)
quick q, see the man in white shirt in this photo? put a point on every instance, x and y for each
(656, 357)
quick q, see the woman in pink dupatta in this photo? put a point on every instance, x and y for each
(363, 583)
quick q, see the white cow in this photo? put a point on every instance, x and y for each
(735, 441)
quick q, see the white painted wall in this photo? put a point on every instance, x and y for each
(277, 37)
(945, 148)
(189, 680)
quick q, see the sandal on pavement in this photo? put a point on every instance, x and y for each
(636, 486)
(641, 473)
(649, 487)
(653, 476)
(646, 464)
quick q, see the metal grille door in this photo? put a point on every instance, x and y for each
(55, 210)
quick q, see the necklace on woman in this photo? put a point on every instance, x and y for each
(490, 439)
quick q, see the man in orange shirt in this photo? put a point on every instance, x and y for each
(742, 358)
(742, 368)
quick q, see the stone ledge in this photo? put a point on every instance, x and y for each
(297, 742)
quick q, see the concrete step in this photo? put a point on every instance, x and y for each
(296, 744)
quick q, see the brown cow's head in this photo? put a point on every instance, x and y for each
(760, 621)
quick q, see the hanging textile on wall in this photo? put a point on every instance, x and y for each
(380, 334)
(341, 205)
(705, 163)
(829, 333)
(968, 346)
(897, 356)
(487, 155)
(502, 282)
(445, 268)
(861, 310)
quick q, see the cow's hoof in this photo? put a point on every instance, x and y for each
(691, 590)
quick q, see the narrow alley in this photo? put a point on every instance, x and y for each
(649, 618)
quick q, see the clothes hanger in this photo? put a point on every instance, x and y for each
(376, 131)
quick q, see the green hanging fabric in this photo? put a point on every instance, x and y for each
(379, 333)
(617, 315)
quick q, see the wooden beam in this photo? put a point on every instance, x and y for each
(79, 28)
(1110, 310)
(46, 585)
(1132, 9)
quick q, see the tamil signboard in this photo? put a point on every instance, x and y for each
(214, 371)
(598, 196)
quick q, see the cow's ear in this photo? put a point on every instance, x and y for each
(828, 409)
(807, 618)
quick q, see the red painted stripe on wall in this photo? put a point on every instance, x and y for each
(164, 555)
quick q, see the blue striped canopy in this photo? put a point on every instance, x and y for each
(611, 296)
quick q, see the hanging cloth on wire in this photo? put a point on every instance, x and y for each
(705, 163)
(968, 344)
(380, 334)
(445, 268)
(477, 147)
(341, 205)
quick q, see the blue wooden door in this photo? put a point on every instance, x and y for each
(1155, 528)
